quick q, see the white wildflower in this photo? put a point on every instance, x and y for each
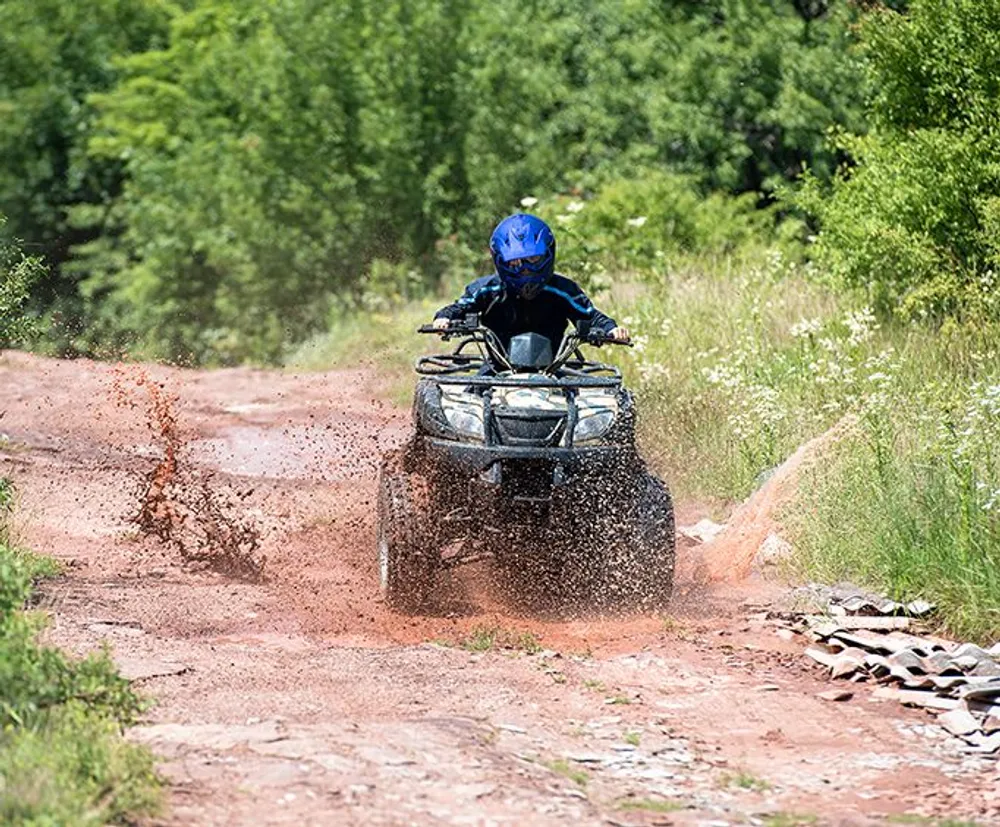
(652, 371)
(805, 328)
(640, 343)
(574, 206)
(723, 375)
(992, 501)
(637, 222)
(861, 324)
(528, 201)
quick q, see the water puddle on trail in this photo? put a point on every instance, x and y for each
(295, 452)
(337, 449)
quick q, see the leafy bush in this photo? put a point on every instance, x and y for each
(638, 223)
(915, 221)
(17, 275)
(62, 759)
(640, 228)
(73, 767)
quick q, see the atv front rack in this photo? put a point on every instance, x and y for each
(530, 380)
(569, 362)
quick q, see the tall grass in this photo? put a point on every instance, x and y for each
(373, 338)
(726, 363)
(910, 502)
(739, 363)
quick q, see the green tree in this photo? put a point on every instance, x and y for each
(916, 222)
(52, 56)
(18, 274)
(267, 158)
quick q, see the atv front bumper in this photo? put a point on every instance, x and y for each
(467, 459)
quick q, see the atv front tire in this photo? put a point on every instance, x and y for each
(639, 573)
(407, 553)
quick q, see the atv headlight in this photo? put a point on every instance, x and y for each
(464, 413)
(593, 426)
(467, 422)
(597, 410)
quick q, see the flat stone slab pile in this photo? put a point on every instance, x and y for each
(866, 637)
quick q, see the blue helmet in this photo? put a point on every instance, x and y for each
(524, 253)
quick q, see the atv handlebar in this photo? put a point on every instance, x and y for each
(462, 328)
(451, 331)
(599, 339)
(472, 332)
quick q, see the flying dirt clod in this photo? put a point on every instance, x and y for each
(182, 506)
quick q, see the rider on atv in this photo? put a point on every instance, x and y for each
(525, 294)
(523, 449)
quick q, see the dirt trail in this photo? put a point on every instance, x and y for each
(299, 699)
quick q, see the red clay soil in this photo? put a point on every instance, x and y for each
(731, 555)
(287, 693)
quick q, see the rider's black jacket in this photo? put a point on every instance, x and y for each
(558, 302)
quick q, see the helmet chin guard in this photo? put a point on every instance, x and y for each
(524, 253)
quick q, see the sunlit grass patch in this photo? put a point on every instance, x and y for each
(385, 340)
(910, 502)
(562, 767)
(492, 638)
(790, 820)
(744, 780)
(62, 758)
(929, 821)
(736, 363)
(73, 767)
(650, 805)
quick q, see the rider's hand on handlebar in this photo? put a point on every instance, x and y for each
(620, 334)
(441, 323)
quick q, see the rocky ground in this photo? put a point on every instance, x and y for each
(298, 698)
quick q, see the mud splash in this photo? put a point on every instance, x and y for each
(185, 508)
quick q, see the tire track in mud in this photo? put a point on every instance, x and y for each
(299, 699)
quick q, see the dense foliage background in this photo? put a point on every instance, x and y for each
(208, 178)
(795, 203)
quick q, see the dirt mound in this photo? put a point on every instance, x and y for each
(730, 556)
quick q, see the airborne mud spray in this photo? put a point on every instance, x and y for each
(182, 506)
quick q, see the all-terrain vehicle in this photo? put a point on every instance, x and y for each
(529, 458)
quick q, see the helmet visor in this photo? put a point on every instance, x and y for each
(525, 265)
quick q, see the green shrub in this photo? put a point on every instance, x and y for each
(639, 224)
(72, 767)
(62, 758)
(17, 275)
(914, 220)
